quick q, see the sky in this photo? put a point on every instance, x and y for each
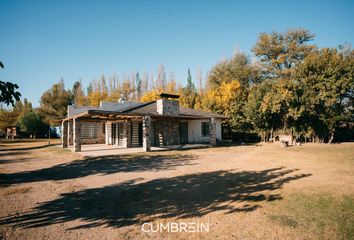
(44, 41)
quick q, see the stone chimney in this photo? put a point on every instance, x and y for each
(166, 106)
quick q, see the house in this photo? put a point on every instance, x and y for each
(133, 124)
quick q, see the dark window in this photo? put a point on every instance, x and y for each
(205, 129)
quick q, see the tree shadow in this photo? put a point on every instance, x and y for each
(98, 165)
(7, 154)
(134, 201)
(27, 148)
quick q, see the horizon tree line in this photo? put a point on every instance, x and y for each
(292, 87)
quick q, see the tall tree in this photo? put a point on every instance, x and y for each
(199, 78)
(188, 94)
(54, 103)
(326, 91)
(145, 83)
(114, 88)
(138, 85)
(161, 78)
(238, 67)
(78, 94)
(31, 123)
(280, 52)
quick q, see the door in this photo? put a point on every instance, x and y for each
(183, 132)
(117, 134)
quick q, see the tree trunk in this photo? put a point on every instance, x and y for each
(331, 138)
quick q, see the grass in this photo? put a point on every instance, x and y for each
(322, 214)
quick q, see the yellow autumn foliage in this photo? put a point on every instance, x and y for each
(221, 97)
(150, 96)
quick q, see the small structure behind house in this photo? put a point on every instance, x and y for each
(12, 132)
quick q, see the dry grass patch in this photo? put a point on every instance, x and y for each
(321, 214)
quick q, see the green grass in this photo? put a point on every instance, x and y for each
(322, 214)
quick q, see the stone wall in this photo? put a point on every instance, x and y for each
(167, 107)
(167, 131)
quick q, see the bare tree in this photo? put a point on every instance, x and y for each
(199, 79)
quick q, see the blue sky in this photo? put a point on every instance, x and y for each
(43, 41)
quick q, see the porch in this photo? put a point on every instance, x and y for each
(102, 131)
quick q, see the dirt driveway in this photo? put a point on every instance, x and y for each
(241, 192)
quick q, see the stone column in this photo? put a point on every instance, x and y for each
(212, 132)
(128, 133)
(77, 135)
(64, 134)
(146, 133)
(70, 133)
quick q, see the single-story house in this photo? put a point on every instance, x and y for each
(134, 124)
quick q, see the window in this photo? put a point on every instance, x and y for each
(88, 130)
(205, 129)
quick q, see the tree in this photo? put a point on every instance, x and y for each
(326, 80)
(30, 123)
(114, 89)
(199, 77)
(161, 78)
(151, 96)
(228, 87)
(145, 83)
(54, 103)
(138, 85)
(221, 99)
(188, 94)
(7, 118)
(78, 94)
(127, 89)
(280, 52)
(9, 94)
(261, 119)
(238, 67)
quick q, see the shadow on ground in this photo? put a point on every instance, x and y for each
(134, 202)
(98, 165)
(10, 148)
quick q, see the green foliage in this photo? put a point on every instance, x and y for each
(8, 90)
(280, 52)
(295, 88)
(30, 123)
(237, 68)
(188, 94)
(138, 85)
(54, 103)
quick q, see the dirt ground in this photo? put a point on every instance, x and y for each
(259, 191)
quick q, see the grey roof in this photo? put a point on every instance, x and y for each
(104, 106)
(140, 109)
(151, 110)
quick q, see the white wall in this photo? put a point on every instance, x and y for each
(195, 131)
(108, 133)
